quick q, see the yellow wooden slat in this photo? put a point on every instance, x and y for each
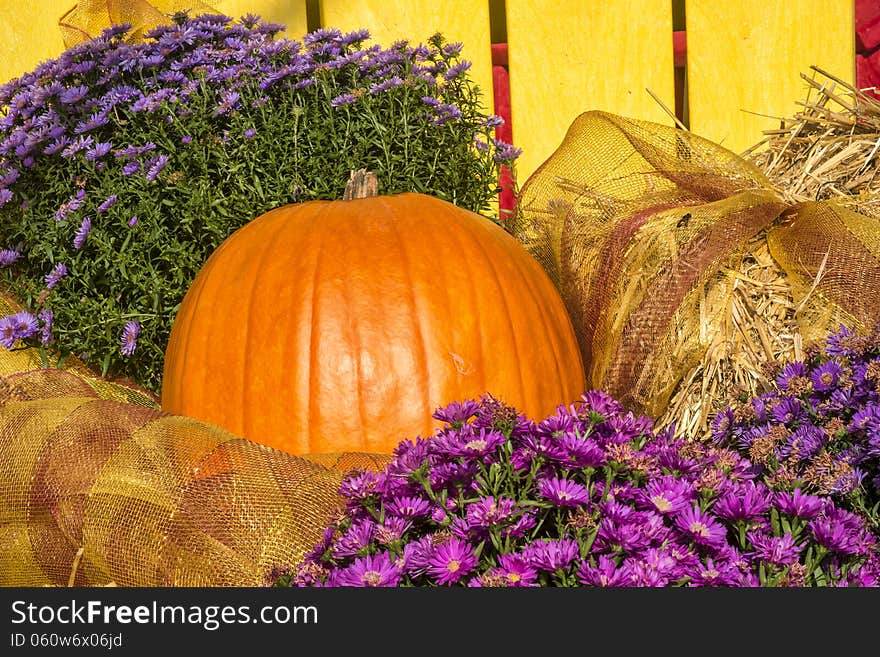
(570, 57)
(464, 21)
(30, 34)
(747, 56)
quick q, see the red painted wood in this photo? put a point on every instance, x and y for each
(679, 48)
(867, 25)
(501, 93)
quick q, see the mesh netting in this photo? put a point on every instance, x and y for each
(99, 486)
(644, 229)
(87, 18)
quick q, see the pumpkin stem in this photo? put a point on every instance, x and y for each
(361, 184)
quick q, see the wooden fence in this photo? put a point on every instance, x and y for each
(743, 57)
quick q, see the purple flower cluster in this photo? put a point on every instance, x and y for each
(819, 428)
(589, 496)
(116, 129)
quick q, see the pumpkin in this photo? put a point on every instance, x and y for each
(342, 326)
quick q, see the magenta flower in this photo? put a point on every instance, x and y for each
(799, 504)
(516, 570)
(451, 561)
(55, 275)
(701, 527)
(456, 412)
(7, 332)
(358, 485)
(842, 532)
(81, 234)
(372, 570)
(743, 501)
(129, 337)
(563, 492)
(777, 550)
(552, 555)
(409, 507)
(605, 573)
(489, 511)
(667, 495)
(355, 538)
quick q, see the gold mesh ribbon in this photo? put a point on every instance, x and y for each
(98, 486)
(87, 18)
(639, 224)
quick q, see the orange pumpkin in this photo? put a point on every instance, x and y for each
(341, 326)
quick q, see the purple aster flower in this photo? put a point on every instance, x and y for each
(516, 570)
(409, 507)
(133, 221)
(667, 495)
(654, 568)
(8, 257)
(342, 100)
(605, 573)
(107, 204)
(826, 376)
(392, 529)
(789, 372)
(505, 152)
(582, 453)
(155, 165)
(701, 527)
(525, 523)
(7, 332)
(130, 168)
(451, 561)
(229, 101)
(5, 196)
(777, 550)
(839, 345)
(98, 151)
(563, 492)
(799, 504)
(46, 317)
(55, 275)
(787, 410)
(840, 531)
(722, 424)
(129, 337)
(372, 570)
(358, 485)
(456, 69)
(743, 501)
(713, 573)
(470, 444)
(456, 412)
(250, 133)
(84, 229)
(803, 444)
(25, 324)
(489, 511)
(355, 538)
(552, 555)
(417, 556)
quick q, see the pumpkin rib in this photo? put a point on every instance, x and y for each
(311, 399)
(250, 330)
(523, 389)
(464, 248)
(424, 366)
(295, 319)
(354, 339)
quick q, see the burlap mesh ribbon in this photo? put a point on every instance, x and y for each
(640, 225)
(98, 486)
(87, 18)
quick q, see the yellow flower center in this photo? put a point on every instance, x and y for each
(661, 503)
(453, 565)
